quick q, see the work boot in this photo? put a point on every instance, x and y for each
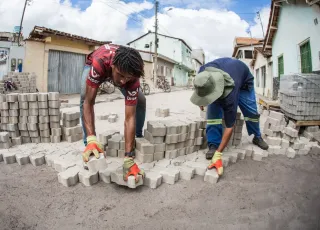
(260, 143)
(130, 168)
(210, 153)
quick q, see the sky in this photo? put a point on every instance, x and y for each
(208, 24)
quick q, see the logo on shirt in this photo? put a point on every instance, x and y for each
(133, 93)
(131, 98)
(94, 74)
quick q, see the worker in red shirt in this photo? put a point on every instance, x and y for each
(122, 66)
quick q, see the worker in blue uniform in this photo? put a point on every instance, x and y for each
(222, 85)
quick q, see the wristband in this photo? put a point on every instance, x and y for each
(130, 154)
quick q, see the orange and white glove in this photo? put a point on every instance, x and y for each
(93, 147)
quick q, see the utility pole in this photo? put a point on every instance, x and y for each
(156, 43)
(24, 9)
(258, 13)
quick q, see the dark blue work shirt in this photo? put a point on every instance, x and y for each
(243, 80)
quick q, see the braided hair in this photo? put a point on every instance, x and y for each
(129, 60)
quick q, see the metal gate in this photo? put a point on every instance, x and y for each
(64, 72)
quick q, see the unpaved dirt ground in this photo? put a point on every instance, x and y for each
(277, 193)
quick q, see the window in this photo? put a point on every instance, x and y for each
(239, 55)
(306, 61)
(257, 78)
(280, 66)
(263, 76)
(248, 54)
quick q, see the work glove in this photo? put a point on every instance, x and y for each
(130, 168)
(216, 162)
(93, 147)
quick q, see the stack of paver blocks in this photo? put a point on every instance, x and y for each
(236, 137)
(162, 112)
(25, 82)
(300, 96)
(170, 139)
(283, 139)
(12, 125)
(71, 130)
(115, 144)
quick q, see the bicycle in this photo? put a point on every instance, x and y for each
(162, 83)
(145, 88)
(106, 87)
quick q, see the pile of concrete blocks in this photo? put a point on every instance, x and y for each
(71, 130)
(300, 96)
(283, 138)
(312, 133)
(236, 137)
(25, 82)
(162, 112)
(170, 139)
(115, 145)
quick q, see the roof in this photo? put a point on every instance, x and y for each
(160, 35)
(40, 33)
(272, 25)
(159, 56)
(245, 41)
(257, 50)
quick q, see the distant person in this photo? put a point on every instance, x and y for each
(123, 67)
(223, 85)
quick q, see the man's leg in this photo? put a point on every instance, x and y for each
(140, 112)
(85, 73)
(214, 128)
(248, 106)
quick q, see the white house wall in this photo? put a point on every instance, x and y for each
(295, 25)
(267, 90)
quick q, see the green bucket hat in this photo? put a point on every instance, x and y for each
(210, 85)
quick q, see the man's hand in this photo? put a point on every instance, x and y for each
(93, 147)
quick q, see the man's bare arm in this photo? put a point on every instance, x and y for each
(129, 127)
(225, 139)
(88, 110)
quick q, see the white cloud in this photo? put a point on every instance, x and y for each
(101, 20)
(211, 29)
(192, 4)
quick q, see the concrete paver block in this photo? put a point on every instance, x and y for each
(111, 152)
(112, 118)
(74, 138)
(291, 132)
(72, 130)
(9, 157)
(33, 105)
(200, 167)
(285, 143)
(178, 161)
(121, 153)
(152, 179)
(122, 145)
(105, 175)
(144, 146)
(33, 133)
(54, 112)
(144, 158)
(54, 118)
(312, 129)
(43, 105)
(276, 115)
(36, 140)
(114, 141)
(69, 124)
(153, 140)
(33, 119)
(16, 141)
(117, 177)
(171, 154)
(169, 175)
(32, 97)
(158, 156)
(45, 139)
(37, 159)
(172, 139)
(55, 139)
(274, 141)
(105, 136)
(4, 136)
(182, 151)
(273, 121)
(23, 158)
(33, 112)
(163, 163)
(44, 119)
(56, 132)
(23, 105)
(291, 153)
(211, 176)
(44, 112)
(234, 156)
(32, 126)
(53, 96)
(12, 127)
(54, 104)
(23, 97)
(12, 97)
(147, 166)
(42, 97)
(103, 117)
(198, 141)
(315, 150)
(156, 128)
(23, 126)
(70, 177)
(54, 125)
(95, 164)
(170, 147)
(88, 178)
(257, 154)
(304, 151)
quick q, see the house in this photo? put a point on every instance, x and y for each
(293, 36)
(261, 65)
(165, 65)
(243, 48)
(57, 58)
(171, 47)
(11, 55)
(198, 59)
